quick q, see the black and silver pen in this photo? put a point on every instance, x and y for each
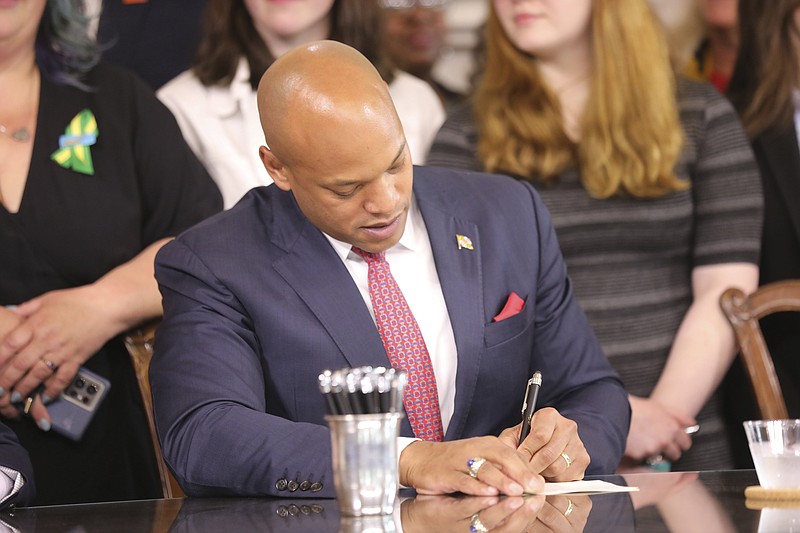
(529, 404)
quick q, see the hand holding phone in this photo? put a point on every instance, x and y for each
(71, 413)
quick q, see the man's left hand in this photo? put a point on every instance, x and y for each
(553, 446)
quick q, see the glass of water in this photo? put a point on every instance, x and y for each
(775, 448)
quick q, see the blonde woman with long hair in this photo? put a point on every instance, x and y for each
(653, 191)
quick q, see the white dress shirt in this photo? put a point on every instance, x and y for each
(11, 482)
(412, 265)
(222, 126)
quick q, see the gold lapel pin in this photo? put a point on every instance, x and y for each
(464, 242)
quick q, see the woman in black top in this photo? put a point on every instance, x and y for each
(94, 178)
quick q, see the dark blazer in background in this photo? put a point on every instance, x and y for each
(157, 39)
(14, 456)
(778, 158)
(257, 303)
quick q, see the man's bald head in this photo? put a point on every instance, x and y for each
(335, 141)
(321, 93)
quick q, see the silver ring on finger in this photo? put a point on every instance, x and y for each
(476, 526)
(51, 365)
(566, 458)
(473, 465)
(570, 508)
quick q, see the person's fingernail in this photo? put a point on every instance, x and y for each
(513, 489)
(515, 503)
(44, 425)
(2, 390)
(46, 399)
(16, 397)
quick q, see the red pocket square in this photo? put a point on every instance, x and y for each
(513, 306)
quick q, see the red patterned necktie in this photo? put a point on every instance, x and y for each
(403, 342)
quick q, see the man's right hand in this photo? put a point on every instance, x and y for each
(442, 468)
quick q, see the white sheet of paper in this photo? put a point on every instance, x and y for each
(583, 487)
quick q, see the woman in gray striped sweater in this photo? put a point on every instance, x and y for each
(652, 188)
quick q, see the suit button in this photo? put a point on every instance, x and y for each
(316, 487)
(305, 509)
(293, 510)
(293, 485)
(282, 511)
(305, 485)
(281, 484)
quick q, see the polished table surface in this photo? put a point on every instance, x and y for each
(707, 502)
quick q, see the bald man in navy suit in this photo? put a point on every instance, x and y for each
(260, 299)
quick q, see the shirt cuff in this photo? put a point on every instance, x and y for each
(402, 442)
(11, 482)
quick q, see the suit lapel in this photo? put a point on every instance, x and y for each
(782, 155)
(312, 268)
(459, 273)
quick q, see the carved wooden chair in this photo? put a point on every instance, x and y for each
(139, 343)
(744, 312)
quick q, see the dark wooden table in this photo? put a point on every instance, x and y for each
(707, 502)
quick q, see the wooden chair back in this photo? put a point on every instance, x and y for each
(744, 312)
(139, 343)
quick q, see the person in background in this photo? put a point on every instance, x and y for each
(764, 90)
(157, 39)
(715, 56)
(653, 191)
(413, 37)
(215, 102)
(94, 178)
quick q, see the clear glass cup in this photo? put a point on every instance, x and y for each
(775, 448)
(370, 524)
(364, 455)
(779, 520)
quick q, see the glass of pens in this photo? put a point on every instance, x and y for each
(364, 408)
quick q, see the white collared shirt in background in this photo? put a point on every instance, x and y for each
(412, 265)
(222, 126)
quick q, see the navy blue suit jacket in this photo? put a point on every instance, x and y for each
(14, 456)
(257, 303)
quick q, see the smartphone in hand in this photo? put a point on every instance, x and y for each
(73, 410)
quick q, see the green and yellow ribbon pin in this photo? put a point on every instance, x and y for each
(73, 151)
